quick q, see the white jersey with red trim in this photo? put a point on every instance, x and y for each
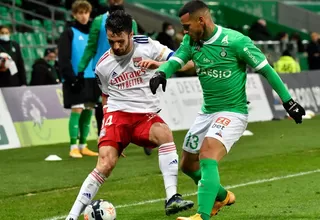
(125, 83)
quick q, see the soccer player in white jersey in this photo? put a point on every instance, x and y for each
(131, 115)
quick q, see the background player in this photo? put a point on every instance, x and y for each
(131, 114)
(80, 92)
(220, 57)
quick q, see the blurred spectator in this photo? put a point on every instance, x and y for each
(287, 64)
(179, 37)
(166, 37)
(97, 8)
(283, 37)
(15, 76)
(45, 70)
(259, 31)
(313, 50)
(297, 38)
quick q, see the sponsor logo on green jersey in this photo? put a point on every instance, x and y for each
(252, 57)
(221, 74)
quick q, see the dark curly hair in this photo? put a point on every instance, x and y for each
(119, 21)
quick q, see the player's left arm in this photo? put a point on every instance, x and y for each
(253, 56)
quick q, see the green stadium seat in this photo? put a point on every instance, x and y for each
(40, 39)
(19, 38)
(18, 16)
(36, 24)
(60, 26)
(29, 37)
(4, 13)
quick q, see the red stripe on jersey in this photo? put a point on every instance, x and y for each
(104, 56)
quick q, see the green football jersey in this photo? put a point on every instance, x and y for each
(220, 64)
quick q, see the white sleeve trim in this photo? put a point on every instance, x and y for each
(261, 65)
(178, 60)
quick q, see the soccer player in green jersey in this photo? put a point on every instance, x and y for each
(220, 56)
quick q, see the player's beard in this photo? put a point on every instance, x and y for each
(125, 51)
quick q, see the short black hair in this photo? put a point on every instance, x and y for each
(119, 21)
(192, 6)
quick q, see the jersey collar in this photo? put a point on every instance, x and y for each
(215, 36)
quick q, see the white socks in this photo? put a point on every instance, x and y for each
(168, 163)
(81, 146)
(87, 192)
(73, 146)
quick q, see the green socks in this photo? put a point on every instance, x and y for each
(222, 194)
(208, 187)
(84, 125)
(74, 127)
(196, 176)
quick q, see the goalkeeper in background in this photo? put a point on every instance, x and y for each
(220, 56)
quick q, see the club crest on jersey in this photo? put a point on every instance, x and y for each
(136, 61)
(223, 52)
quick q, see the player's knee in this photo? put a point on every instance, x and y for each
(213, 149)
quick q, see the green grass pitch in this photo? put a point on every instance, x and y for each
(274, 174)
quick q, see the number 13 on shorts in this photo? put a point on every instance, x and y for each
(227, 127)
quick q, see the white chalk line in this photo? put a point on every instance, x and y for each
(195, 193)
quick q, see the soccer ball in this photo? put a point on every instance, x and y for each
(5, 60)
(100, 210)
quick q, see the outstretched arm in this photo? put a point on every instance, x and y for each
(252, 56)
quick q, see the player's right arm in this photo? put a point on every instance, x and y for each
(92, 45)
(179, 59)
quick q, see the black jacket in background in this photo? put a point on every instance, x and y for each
(259, 32)
(313, 50)
(166, 40)
(44, 74)
(18, 79)
(65, 49)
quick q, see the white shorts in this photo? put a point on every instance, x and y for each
(227, 127)
(84, 106)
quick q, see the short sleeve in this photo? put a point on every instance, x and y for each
(249, 53)
(160, 52)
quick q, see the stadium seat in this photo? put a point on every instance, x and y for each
(36, 24)
(40, 39)
(18, 16)
(4, 13)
